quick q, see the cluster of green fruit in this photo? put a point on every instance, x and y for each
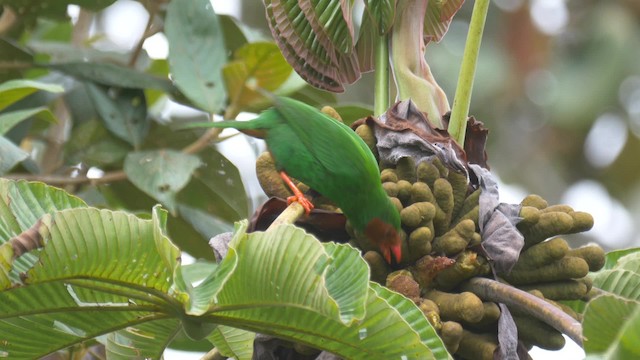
(441, 249)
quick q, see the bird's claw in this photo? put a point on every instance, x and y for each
(306, 203)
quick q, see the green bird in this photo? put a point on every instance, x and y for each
(333, 160)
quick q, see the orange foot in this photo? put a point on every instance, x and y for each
(297, 194)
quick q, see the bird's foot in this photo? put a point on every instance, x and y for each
(302, 200)
(297, 194)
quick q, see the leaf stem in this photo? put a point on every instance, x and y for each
(491, 290)
(288, 216)
(381, 95)
(462, 99)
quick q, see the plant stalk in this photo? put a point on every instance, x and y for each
(462, 100)
(491, 290)
(381, 96)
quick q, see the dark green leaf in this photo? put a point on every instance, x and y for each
(10, 119)
(10, 155)
(161, 173)
(11, 53)
(123, 111)
(197, 52)
(14, 90)
(113, 75)
(92, 145)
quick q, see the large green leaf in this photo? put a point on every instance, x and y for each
(14, 90)
(93, 145)
(161, 173)
(99, 271)
(233, 342)
(612, 328)
(123, 111)
(314, 294)
(612, 257)
(11, 119)
(197, 52)
(142, 341)
(255, 66)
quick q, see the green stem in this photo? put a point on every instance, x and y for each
(381, 99)
(462, 100)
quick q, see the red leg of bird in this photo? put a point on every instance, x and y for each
(297, 194)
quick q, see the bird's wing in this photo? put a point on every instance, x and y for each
(332, 145)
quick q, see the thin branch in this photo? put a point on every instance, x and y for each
(60, 180)
(492, 290)
(151, 9)
(462, 100)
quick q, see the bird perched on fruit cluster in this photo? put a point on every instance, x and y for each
(332, 159)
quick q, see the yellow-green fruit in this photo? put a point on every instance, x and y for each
(458, 182)
(468, 264)
(558, 207)
(451, 334)
(328, 110)
(404, 191)
(421, 192)
(542, 254)
(269, 178)
(538, 333)
(390, 188)
(560, 290)
(477, 346)
(465, 306)
(582, 221)
(366, 134)
(530, 215)
(417, 214)
(406, 169)
(427, 173)
(569, 267)
(431, 312)
(549, 224)
(471, 215)
(444, 171)
(379, 267)
(420, 243)
(455, 240)
(534, 200)
(443, 193)
(592, 254)
(388, 175)
(469, 203)
(397, 203)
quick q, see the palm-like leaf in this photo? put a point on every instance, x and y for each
(109, 272)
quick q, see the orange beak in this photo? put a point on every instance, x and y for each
(394, 249)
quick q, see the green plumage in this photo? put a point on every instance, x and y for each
(326, 155)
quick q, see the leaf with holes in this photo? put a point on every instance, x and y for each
(196, 52)
(161, 173)
(123, 111)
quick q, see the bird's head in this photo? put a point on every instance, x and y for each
(386, 236)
